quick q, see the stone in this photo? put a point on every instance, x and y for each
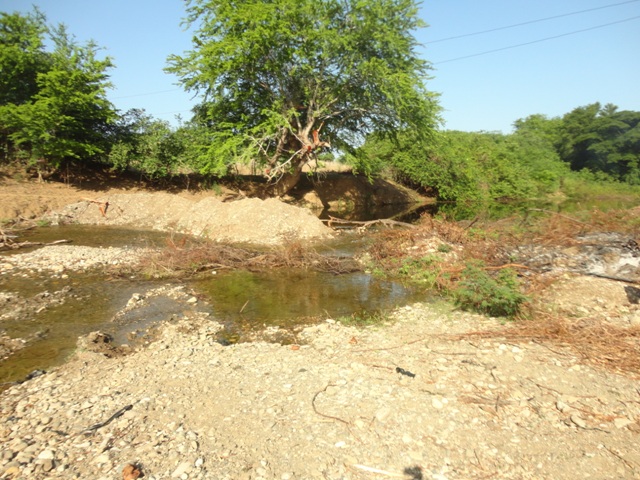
(183, 468)
(11, 471)
(47, 464)
(622, 422)
(578, 421)
(46, 455)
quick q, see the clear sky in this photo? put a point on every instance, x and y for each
(484, 91)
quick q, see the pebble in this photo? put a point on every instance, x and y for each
(622, 422)
(258, 410)
(182, 469)
(578, 421)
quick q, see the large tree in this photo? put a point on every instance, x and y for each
(53, 104)
(602, 139)
(282, 80)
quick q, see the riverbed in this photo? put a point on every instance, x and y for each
(50, 303)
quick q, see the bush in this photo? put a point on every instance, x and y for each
(498, 295)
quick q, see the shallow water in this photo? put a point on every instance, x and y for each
(240, 300)
(89, 306)
(286, 298)
(97, 236)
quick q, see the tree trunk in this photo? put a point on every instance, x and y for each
(286, 183)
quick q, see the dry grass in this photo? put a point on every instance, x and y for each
(552, 228)
(190, 256)
(594, 342)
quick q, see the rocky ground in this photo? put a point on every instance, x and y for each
(421, 397)
(433, 394)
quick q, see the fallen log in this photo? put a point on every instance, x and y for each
(355, 223)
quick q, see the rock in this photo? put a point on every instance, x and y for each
(46, 455)
(183, 468)
(622, 422)
(578, 421)
(47, 464)
(11, 471)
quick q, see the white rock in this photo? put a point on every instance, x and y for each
(578, 421)
(622, 422)
(183, 468)
(46, 455)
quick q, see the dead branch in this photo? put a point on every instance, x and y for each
(382, 221)
(15, 246)
(315, 409)
(608, 277)
(103, 206)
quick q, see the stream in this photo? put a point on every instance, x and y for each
(243, 302)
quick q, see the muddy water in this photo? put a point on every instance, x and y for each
(240, 300)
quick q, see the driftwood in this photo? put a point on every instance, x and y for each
(382, 221)
(14, 246)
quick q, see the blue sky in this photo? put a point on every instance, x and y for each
(484, 92)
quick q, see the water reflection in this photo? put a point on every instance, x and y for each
(281, 297)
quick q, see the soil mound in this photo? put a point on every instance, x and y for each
(249, 220)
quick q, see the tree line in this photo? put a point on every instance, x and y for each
(285, 84)
(543, 155)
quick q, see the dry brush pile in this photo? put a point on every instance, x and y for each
(189, 256)
(477, 263)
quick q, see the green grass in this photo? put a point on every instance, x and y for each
(364, 318)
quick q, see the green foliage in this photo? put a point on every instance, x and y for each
(496, 295)
(60, 111)
(149, 146)
(602, 139)
(22, 56)
(477, 169)
(444, 248)
(364, 318)
(273, 73)
(472, 168)
(425, 270)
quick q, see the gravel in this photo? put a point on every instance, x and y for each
(410, 399)
(57, 259)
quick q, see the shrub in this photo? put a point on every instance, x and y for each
(496, 295)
